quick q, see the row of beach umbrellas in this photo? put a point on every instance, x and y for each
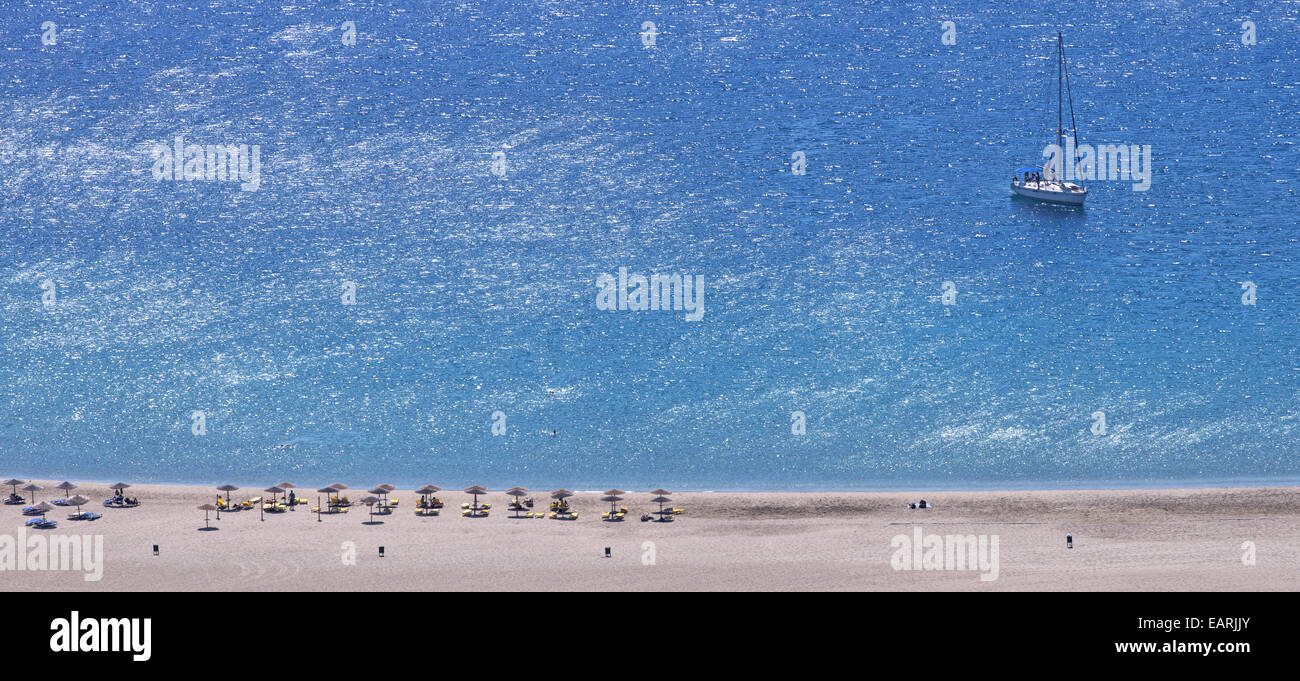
(379, 494)
(66, 486)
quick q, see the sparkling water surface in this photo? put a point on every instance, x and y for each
(475, 293)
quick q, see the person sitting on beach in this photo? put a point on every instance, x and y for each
(922, 504)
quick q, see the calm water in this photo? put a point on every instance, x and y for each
(475, 293)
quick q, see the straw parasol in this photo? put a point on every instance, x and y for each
(425, 491)
(14, 483)
(43, 508)
(286, 486)
(370, 506)
(616, 492)
(517, 492)
(275, 491)
(379, 491)
(79, 501)
(227, 489)
(475, 490)
(327, 491)
(66, 487)
(560, 495)
(205, 508)
(661, 500)
(33, 489)
(337, 487)
(118, 487)
(612, 499)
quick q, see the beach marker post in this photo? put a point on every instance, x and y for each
(381, 552)
(607, 552)
(1069, 541)
(155, 549)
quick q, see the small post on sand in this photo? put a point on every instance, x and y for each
(1069, 541)
(607, 552)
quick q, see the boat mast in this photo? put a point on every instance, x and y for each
(1060, 136)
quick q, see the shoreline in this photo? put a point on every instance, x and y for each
(1124, 540)
(918, 487)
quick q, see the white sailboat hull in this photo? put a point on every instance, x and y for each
(1066, 194)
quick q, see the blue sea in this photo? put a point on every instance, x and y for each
(442, 184)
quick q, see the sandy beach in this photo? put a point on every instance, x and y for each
(1123, 541)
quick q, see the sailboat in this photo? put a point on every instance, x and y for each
(1046, 184)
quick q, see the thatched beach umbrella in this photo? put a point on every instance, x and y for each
(612, 499)
(475, 490)
(425, 491)
(661, 500)
(205, 508)
(66, 487)
(379, 492)
(79, 501)
(616, 492)
(370, 506)
(517, 493)
(118, 487)
(560, 495)
(275, 491)
(43, 508)
(32, 489)
(227, 489)
(327, 491)
(14, 483)
(338, 487)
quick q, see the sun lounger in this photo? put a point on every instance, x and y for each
(85, 515)
(41, 523)
(59, 502)
(30, 510)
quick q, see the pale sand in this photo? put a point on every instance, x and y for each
(1124, 540)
